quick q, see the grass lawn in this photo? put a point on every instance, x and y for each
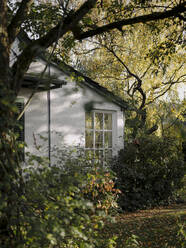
(157, 228)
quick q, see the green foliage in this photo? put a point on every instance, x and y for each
(182, 234)
(10, 179)
(99, 187)
(58, 205)
(132, 242)
(32, 212)
(182, 191)
(149, 172)
(62, 217)
(101, 190)
(42, 18)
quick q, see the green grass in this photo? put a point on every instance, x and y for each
(159, 228)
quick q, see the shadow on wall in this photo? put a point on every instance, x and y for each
(67, 115)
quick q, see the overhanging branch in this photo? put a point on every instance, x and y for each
(66, 25)
(69, 23)
(174, 12)
(18, 18)
(139, 81)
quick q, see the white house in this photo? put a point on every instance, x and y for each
(69, 109)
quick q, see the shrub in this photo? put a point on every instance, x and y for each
(58, 207)
(149, 172)
(100, 189)
(99, 183)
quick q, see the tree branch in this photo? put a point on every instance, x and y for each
(35, 46)
(174, 12)
(169, 83)
(152, 129)
(181, 17)
(163, 92)
(15, 25)
(138, 86)
(69, 23)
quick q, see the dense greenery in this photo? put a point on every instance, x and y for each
(149, 172)
(62, 206)
(74, 21)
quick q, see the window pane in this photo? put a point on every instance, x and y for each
(98, 121)
(108, 139)
(99, 154)
(89, 120)
(89, 139)
(89, 154)
(99, 139)
(108, 154)
(108, 121)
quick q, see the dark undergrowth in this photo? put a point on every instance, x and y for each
(157, 228)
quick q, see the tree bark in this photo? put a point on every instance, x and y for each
(4, 44)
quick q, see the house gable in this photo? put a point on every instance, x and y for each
(58, 75)
(44, 75)
(58, 110)
(68, 106)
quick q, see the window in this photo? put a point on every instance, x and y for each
(98, 134)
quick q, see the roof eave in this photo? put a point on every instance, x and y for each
(41, 84)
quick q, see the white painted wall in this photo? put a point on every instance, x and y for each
(67, 115)
(36, 118)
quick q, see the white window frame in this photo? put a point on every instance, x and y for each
(94, 149)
